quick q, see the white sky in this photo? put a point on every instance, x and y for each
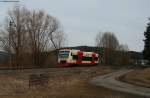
(83, 19)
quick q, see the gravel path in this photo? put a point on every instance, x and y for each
(109, 81)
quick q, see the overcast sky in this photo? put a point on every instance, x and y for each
(83, 19)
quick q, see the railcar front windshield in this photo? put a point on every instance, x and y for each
(64, 54)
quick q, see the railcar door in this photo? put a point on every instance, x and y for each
(93, 58)
(80, 55)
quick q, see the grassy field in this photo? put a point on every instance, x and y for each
(63, 83)
(139, 77)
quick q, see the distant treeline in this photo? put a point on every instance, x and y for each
(51, 59)
(131, 57)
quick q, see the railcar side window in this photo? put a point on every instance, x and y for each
(75, 57)
(87, 58)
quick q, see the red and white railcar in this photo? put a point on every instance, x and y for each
(69, 57)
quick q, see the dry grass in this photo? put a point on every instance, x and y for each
(63, 83)
(138, 77)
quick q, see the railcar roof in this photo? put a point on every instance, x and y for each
(75, 50)
(68, 50)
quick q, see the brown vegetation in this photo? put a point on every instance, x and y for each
(139, 77)
(63, 83)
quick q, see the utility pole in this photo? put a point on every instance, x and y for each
(10, 32)
(10, 27)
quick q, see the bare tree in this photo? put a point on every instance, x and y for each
(43, 29)
(107, 40)
(59, 39)
(31, 32)
(112, 52)
(109, 43)
(123, 57)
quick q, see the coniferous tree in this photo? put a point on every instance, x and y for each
(146, 50)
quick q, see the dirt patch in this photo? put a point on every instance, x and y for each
(140, 77)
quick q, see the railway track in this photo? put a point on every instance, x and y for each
(43, 70)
